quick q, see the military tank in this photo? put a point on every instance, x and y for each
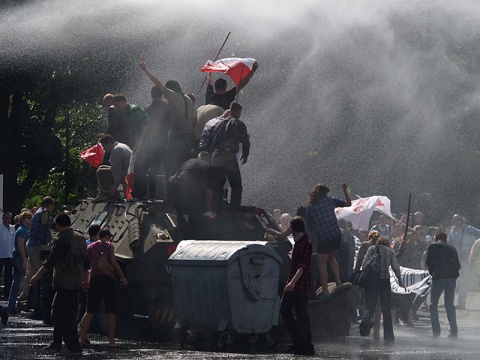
(145, 234)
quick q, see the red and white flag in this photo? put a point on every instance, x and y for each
(130, 176)
(362, 209)
(235, 68)
(93, 155)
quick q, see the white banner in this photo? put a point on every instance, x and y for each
(362, 209)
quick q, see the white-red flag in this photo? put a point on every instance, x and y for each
(235, 68)
(130, 176)
(362, 209)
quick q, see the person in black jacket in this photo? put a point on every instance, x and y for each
(443, 265)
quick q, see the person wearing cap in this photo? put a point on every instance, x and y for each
(221, 96)
(102, 286)
(180, 133)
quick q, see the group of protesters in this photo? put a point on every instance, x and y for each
(48, 268)
(164, 138)
(445, 253)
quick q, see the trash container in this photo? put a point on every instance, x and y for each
(220, 286)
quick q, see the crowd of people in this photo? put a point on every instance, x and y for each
(326, 250)
(53, 274)
(199, 151)
(446, 253)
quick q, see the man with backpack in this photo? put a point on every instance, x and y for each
(378, 285)
(222, 137)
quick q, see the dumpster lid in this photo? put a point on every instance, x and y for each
(219, 251)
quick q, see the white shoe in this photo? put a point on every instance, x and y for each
(209, 216)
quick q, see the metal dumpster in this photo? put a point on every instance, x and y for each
(225, 286)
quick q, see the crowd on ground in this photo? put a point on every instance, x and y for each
(47, 279)
(82, 271)
(446, 253)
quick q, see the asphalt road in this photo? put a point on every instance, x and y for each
(23, 338)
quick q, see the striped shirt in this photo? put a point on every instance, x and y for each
(387, 259)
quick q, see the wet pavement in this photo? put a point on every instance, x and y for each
(23, 338)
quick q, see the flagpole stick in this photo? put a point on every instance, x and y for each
(408, 215)
(216, 58)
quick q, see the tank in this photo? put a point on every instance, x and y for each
(145, 234)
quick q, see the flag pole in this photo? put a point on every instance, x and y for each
(408, 216)
(216, 58)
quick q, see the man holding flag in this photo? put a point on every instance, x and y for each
(240, 70)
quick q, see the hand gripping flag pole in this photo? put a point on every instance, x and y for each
(216, 58)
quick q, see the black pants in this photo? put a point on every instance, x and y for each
(6, 266)
(140, 172)
(179, 150)
(64, 314)
(298, 325)
(227, 161)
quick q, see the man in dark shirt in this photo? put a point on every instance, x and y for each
(222, 137)
(157, 138)
(117, 122)
(223, 97)
(191, 190)
(138, 123)
(443, 265)
(69, 261)
(297, 291)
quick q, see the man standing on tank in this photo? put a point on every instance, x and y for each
(117, 122)
(222, 137)
(297, 290)
(180, 134)
(221, 96)
(157, 140)
(138, 123)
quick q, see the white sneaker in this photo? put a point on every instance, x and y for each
(209, 216)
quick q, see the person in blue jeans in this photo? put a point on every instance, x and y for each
(444, 266)
(19, 259)
(380, 287)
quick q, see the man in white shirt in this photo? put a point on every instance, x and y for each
(7, 234)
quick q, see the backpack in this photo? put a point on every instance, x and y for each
(104, 265)
(371, 271)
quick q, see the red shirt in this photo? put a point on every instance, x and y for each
(301, 257)
(94, 250)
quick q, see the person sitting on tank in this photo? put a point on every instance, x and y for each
(190, 190)
(111, 177)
